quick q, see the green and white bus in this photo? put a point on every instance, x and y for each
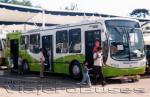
(70, 44)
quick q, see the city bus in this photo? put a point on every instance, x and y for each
(120, 38)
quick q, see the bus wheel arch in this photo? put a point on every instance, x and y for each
(25, 66)
(75, 69)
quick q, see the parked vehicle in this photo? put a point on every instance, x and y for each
(70, 44)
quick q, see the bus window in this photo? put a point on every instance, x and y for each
(126, 44)
(75, 40)
(62, 41)
(35, 43)
(24, 42)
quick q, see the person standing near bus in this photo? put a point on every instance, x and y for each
(11, 61)
(20, 65)
(86, 77)
(96, 45)
(42, 60)
(98, 61)
(50, 58)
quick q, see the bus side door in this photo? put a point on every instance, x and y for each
(47, 43)
(90, 38)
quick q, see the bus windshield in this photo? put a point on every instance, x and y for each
(126, 41)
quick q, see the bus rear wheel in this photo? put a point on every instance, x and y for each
(75, 70)
(25, 67)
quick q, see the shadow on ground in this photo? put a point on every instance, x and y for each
(51, 82)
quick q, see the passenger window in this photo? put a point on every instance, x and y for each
(75, 40)
(35, 43)
(24, 42)
(62, 41)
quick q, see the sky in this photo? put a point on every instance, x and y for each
(112, 7)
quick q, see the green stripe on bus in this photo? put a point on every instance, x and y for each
(109, 71)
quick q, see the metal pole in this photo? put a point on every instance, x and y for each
(43, 18)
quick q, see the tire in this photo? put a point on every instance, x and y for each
(75, 70)
(25, 67)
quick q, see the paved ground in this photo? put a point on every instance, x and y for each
(62, 86)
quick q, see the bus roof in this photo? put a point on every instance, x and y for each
(80, 23)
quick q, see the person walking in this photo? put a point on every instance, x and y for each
(86, 77)
(98, 61)
(42, 60)
(50, 59)
(46, 62)
(11, 61)
(20, 65)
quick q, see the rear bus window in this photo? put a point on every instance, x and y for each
(24, 42)
(35, 43)
(62, 41)
(75, 40)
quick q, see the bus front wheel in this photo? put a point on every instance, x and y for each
(75, 70)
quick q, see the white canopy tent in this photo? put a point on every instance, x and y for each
(28, 17)
(21, 18)
(15, 15)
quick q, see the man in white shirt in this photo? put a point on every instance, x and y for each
(98, 62)
(97, 58)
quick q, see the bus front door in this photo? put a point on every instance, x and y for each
(90, 38)
(47, 43)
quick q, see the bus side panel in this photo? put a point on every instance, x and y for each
(109, 71)
(61, 65)
(34, 64)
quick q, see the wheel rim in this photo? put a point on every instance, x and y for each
(76, 70)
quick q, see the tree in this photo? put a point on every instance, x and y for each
(27, 3)
(72, 6)
(140, 13)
